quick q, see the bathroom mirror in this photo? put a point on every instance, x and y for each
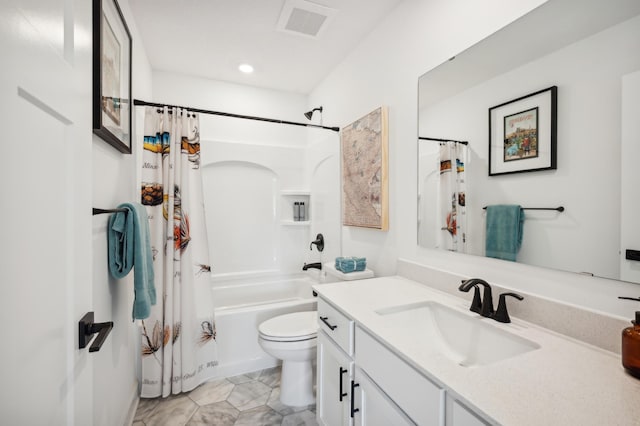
(590, 50)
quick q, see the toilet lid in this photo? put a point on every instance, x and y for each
(295, 326)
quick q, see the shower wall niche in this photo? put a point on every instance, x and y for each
(289, 198)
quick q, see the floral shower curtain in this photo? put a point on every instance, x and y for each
(452, 234)
(179, 349)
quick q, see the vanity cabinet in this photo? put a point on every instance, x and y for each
(362, 382)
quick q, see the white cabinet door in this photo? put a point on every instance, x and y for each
(335, 371)
(459, 415)
(372, 407)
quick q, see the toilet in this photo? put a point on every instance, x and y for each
(292, 338)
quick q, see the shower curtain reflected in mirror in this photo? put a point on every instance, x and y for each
(179, 349)
(442, 220)
(452, 197)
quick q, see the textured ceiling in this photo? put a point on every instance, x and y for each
(210, 38)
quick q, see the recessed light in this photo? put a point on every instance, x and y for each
(246, 68)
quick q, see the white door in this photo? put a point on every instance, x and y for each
(45, 181)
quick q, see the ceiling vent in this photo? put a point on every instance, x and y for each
(304, 18)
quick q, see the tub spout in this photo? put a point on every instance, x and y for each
(316, 265)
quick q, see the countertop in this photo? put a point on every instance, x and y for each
(564, 382)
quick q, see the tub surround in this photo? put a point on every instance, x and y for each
(565, 381)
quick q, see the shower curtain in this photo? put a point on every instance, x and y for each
(452, 210)
(179, 349)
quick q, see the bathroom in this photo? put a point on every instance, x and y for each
(99, 388)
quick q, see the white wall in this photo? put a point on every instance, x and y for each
(588, 158)
(114, 182)
(196, 92)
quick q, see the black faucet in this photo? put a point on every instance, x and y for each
(476, 304)
(319, 242)
(486, 306)
(501, 314)
(316, 265)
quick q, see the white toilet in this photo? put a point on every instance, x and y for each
(292, 338)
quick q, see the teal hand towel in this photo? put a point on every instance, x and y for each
(504, 231)
(351, 264)
(129, 247)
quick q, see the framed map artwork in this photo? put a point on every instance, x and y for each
(365, 183)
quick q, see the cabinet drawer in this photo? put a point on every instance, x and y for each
(336, 325)
(420, 398)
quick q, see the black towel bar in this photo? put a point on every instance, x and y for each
(560, 209)
(101, 211)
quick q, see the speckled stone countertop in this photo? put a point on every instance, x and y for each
(564, 382)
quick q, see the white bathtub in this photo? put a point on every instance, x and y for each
(241, 305)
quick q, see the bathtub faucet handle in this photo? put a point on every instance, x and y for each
(319, 242)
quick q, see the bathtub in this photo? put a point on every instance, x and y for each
(241, 305)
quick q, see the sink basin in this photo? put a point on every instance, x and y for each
(465, 339)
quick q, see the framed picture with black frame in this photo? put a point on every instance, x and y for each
(112, 57)
(522, 133)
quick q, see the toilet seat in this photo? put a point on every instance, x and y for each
(294, 327)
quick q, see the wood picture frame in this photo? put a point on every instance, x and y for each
(522, 133)
(365, 180)
(112, 62)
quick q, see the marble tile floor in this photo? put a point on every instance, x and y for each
(251, 399)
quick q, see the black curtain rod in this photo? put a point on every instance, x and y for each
(139, 102)
(424, 138)
(560, 209)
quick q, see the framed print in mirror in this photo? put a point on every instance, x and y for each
(112, 102)
(522, 133)
(365, 183)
